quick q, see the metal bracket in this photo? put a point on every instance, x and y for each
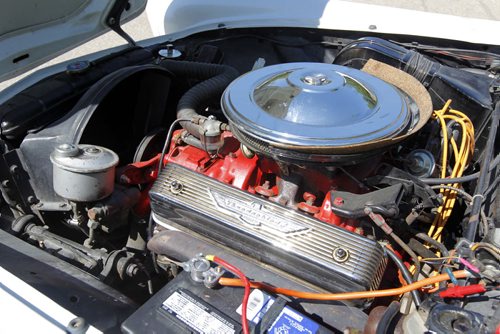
(384, 201)
(113, 20)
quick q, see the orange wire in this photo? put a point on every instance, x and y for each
(345, 295)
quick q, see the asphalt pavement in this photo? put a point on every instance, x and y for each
(139, 27)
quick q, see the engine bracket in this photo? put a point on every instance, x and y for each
(384, 201)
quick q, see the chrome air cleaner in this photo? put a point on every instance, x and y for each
(313, 112)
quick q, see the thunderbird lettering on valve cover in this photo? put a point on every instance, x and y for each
(263, 167)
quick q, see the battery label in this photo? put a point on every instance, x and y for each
(291, 322)
(258, 304)
(198, 316)
(288, 321)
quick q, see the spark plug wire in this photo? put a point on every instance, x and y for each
(462, 155)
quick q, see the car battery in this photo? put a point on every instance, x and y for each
(185, 306)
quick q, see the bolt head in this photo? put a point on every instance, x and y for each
(176, 187)
(66, 147)
(14, 169)
(92, 150)
(308, 197)
(340, 254)
(338, 201)
(67, 150)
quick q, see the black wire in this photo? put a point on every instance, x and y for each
(493, 186)
(406, 274)
(433, 242)
(160, 167)
(495, 162)
(438, 245)
(352, 177)
(460, 192)
(410, 252)
(468, 197)
(461, 179)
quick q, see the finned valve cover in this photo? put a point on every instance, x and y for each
(322, 254)
(311, 111)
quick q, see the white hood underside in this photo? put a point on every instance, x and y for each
(35, 31)
(189, 16)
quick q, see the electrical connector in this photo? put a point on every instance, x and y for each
(462, 291)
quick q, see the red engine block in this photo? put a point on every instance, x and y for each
(257, 175)
(262, 176)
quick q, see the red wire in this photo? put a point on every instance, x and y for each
(239, 273)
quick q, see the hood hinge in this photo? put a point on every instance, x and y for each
(113, 20)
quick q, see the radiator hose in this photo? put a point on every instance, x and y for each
(215, 79)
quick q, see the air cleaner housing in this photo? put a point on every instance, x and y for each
(314, 112)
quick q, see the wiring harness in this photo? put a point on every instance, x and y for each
(458, 160)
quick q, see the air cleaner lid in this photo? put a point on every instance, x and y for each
(315, 108)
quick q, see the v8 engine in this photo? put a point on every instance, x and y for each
(287, 127)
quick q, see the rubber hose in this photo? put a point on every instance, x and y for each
(215, 79)
(482, 183)
(384, 325)
(462, 179)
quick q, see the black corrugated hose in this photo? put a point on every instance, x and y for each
(215, 79)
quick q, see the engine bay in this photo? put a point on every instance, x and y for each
(262, 177)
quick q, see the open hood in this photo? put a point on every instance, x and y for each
(185, 17)
(34, 31)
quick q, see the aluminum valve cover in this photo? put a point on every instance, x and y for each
(322, 254)
(308, 111)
